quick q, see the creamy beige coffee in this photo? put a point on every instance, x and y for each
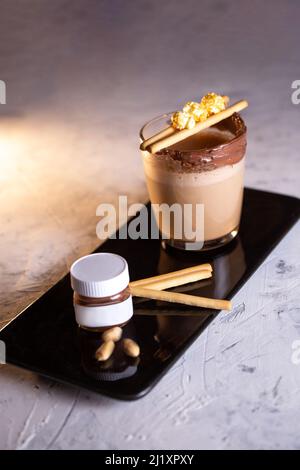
(208, 169)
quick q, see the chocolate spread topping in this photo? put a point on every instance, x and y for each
(206, 159)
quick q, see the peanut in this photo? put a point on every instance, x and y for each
(131, 348)
(112, 334)
(105, 351)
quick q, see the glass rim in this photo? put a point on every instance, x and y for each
(215, 147)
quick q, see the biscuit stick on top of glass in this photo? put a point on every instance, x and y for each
(191, 113)
(193, 118)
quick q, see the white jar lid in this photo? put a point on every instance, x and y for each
(99, 275)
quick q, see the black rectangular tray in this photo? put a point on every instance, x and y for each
(46, 339)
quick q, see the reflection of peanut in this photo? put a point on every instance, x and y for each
(112, 334)
(131, 348)
(105, 351)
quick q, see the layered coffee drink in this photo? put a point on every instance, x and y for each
(205, 169)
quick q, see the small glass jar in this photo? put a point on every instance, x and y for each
(101, 291)
(206, 170)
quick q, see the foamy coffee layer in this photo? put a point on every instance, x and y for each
(155, 172)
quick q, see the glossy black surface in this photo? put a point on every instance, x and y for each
(46, 339)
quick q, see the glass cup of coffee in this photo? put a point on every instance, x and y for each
(196, 186)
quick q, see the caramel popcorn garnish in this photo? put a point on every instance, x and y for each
(213, 103)
(182, 120)
(194, 112)
(198, 112)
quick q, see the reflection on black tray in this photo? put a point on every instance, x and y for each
(46, 339)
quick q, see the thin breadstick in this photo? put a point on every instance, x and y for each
(180, 272)
(168, 131)
(169, 313)
(160, 135)
(185, 133)
(175, 280)
(185, 299)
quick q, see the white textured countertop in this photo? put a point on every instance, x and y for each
(80, 82)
